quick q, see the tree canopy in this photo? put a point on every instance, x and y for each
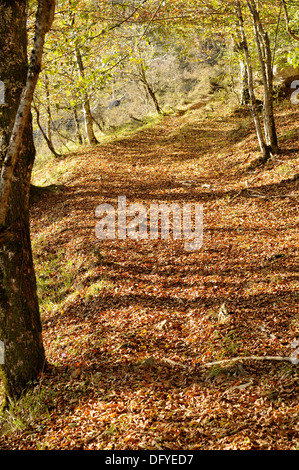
(71, 73)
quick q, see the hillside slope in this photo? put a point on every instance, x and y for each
(129, 324)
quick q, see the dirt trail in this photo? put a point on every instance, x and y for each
(131, 330)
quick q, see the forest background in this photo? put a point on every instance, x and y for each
(118, 70)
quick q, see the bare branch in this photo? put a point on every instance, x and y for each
(249, 358)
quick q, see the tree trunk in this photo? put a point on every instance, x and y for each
(77, 124)
(20, 325)
(46, 135)
(86, 103)
(49, 118)
(265, 149)
(44, 19)
(148, 88)
(245, 95)
(265, 60)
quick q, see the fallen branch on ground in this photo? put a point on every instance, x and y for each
(249, 358)
(174, 364)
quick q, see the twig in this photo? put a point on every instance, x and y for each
(285, 195)
(174, 364)
(135, 119)
(242, 163)
(249, 358)
(238, 194)
(258, 195)
(244, 189)
(270, 197)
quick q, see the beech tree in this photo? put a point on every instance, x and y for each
(268, 144)
(253, 40)
(20, 325)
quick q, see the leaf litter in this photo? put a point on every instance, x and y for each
(128, 324)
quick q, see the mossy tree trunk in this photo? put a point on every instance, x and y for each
(20, 324)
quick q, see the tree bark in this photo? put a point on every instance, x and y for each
(20, 324)
(86, 103)
(265, 149)
(148, 88)
(45, 15)
(46, 135)
(77, 124)
(49, 119)
(265, 60)
(245, 95)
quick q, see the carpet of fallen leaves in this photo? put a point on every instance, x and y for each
(128, 324)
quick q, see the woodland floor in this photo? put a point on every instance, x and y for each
(127, 325)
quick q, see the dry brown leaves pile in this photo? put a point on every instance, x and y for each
(139, 318)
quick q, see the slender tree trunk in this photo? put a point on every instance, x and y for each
(245, 95)
(49, 114)
(77, 124)
(46, 135)
(265, 60)
(265, 149)
(86, 103)
(148, 88)
(20, 325)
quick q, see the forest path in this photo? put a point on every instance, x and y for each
(129, 323)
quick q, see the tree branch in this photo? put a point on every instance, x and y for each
(287, 20)
(48, 141)
(249, 358)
